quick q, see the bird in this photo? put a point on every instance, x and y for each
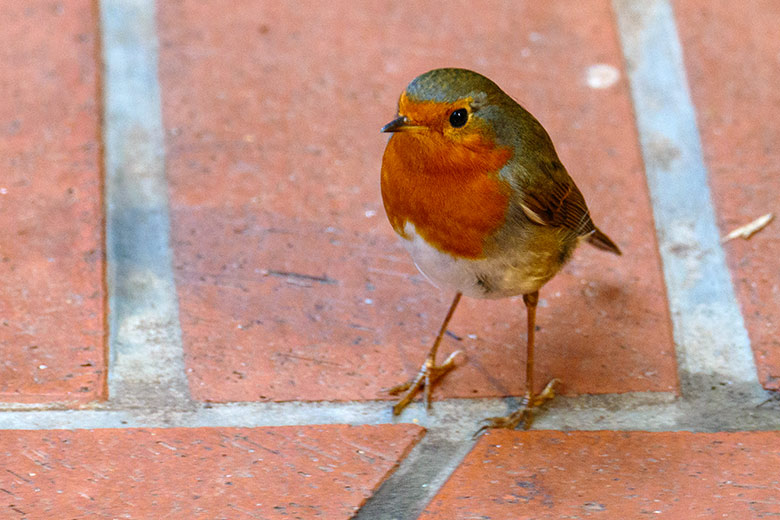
(472, 184)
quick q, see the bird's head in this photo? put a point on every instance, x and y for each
(456, 105)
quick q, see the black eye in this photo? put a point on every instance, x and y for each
(459, 117)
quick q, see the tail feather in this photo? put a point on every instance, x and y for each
(602, 241)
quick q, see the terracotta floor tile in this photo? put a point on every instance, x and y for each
(545, 475)
(51, 257)
(286, 472)
(291, 282)
(732, 53)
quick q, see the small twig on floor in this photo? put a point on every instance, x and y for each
(453, 335)
(748, 230)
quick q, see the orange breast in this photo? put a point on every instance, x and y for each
(449, 191)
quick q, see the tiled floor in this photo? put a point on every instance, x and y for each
(325, 471)
(52, 323)
(262, 176)
(545, 474)
(297, 306)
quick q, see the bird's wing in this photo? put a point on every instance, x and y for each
(556, 201)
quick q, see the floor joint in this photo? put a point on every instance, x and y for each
(146, 362)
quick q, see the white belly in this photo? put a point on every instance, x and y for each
(519, 271)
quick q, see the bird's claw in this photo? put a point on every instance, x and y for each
(522, 415)
(428, 376)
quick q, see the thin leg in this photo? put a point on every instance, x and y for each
(530, 401)
(429, 373)
(530, 301)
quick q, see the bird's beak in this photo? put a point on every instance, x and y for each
(400, 124)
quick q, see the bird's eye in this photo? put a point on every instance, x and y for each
(459, 117)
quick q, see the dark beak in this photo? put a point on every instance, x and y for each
(402, 124)
(396, 125)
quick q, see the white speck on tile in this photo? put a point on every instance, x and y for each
(601, 76)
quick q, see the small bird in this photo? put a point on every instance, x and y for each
(472, 184)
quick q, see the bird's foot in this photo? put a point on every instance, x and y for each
(428, 375)
(525, 414)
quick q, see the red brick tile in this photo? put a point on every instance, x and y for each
(292, 284)
(732, 53)
(286, 472)
(545, 475)
(51, 257)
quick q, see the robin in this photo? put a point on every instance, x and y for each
(473, 185)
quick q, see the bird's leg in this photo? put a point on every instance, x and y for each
(429, 373)
(530, 401)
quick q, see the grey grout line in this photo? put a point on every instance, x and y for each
(146, 355)
(423, 472)
(460, 417)
(712, 344)
(637, 411)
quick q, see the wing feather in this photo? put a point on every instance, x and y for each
(556, 201)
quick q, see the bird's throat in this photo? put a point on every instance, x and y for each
(452, 193)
